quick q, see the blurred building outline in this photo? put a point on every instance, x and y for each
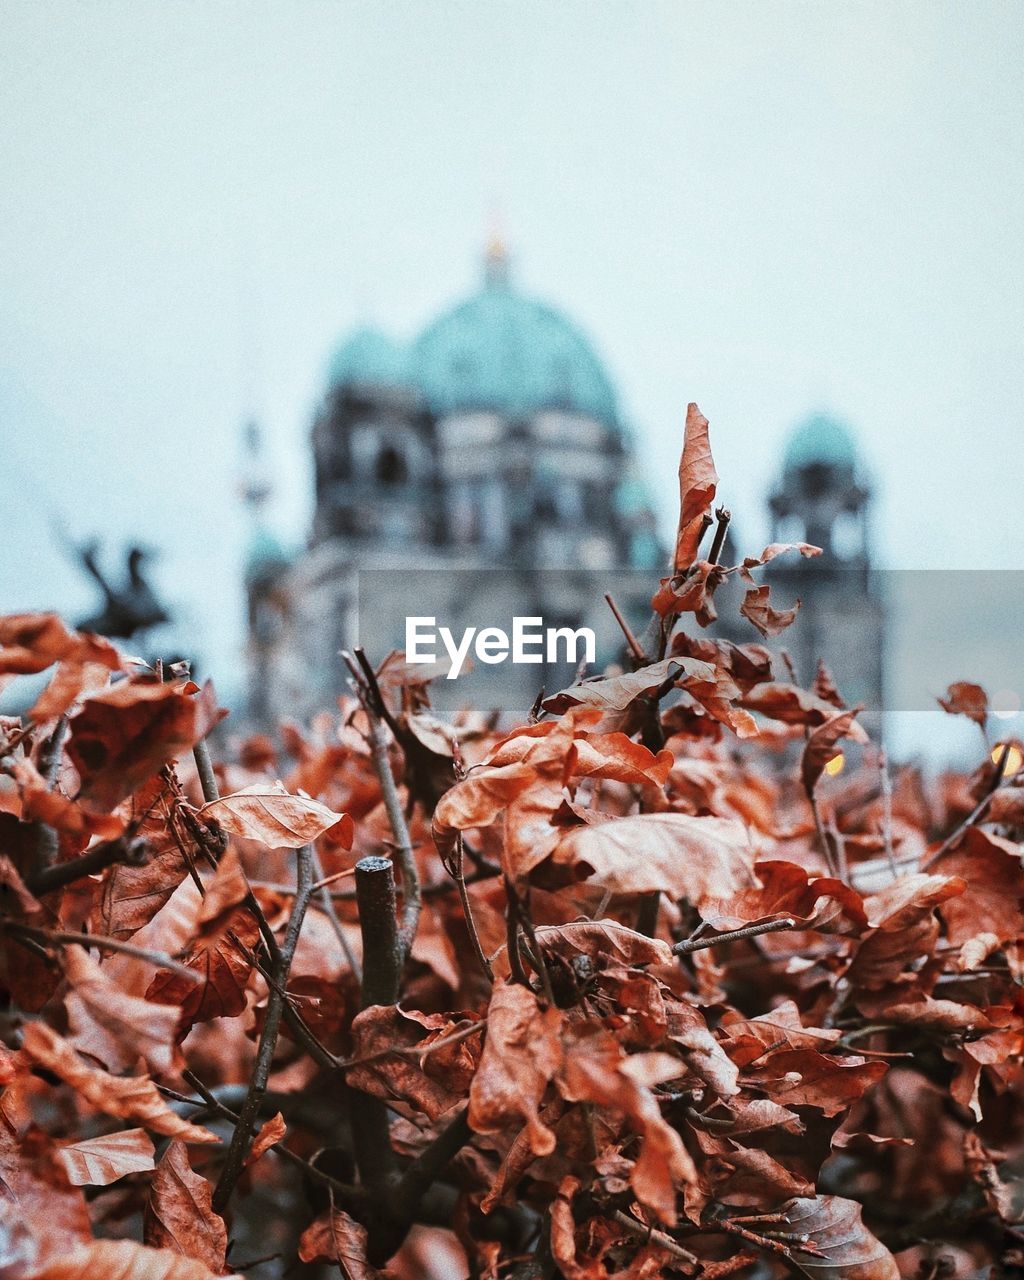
(494, 442)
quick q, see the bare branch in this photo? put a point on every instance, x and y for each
(734, 935)
(242, 1137)
(61, 939)
(632, 642)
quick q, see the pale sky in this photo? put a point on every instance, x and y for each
(764, 207)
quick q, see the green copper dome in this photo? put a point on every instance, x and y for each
(821, 438)
(368, 356)
(265, 556)
(632, 497)
(502, 350)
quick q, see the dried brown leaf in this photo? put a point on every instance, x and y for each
(128, 1098)
(179, 1213)
(97, 1162)
(276, 818)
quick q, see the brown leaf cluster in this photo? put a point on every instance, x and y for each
(680, 999)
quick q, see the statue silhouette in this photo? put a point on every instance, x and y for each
(127, 610)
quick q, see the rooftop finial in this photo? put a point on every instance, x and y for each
(496, 255)
(256, 487)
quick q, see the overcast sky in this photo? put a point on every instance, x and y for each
(767, 208)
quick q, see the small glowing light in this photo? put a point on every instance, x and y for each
(1005, 704)
(835, 765)
(1014, 758)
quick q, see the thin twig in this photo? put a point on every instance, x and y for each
(718, 542)
(424, 1171)
(658, 1238)
(823, 840)
(414, 1050)
(458, 874)
(159, 958)
(323, 895)
(521, 911)
(300, 1029)
(954, 837)
(333, 879)
(242, 1137)
(211, 792)
(213, 1104)
(96, 859)
(690, 945)
(886, 781)
(377, 698)
(204, 767)
(632, 642)
(47, 841)
(515, 957)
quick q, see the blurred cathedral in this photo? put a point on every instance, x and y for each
(485, 470)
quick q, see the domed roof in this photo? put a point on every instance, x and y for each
(368, 356)
(502, 350)
(632, 497)
(821, 438)
(265, 556)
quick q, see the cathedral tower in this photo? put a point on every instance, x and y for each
(822, 497)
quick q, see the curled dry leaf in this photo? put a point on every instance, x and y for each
(522, 1053)
(128, 1098)
(965, 699)
(749, 1039)
(525, 793)
(698, 481)
(97, 1162)
(222, 964)
(604, 941)
(132, 895)
(786, 890)
(845, 1248)
(126, 1260)
(596, 1069)
(773, 550)
(992, 903)
(703, 1054)
(904, 928)
(112, 1026)
(429, 1082)
(179, 1214)
(31, 642)
(276, 818)
(758, 609)
(336, 1237)
(121, 737)
(806, 1078)
(615, 698)
(788, 703)
(821, 745)
(269, 1135)
(696, 858)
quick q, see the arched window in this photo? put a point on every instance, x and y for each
(847, 536)
(391, 468)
